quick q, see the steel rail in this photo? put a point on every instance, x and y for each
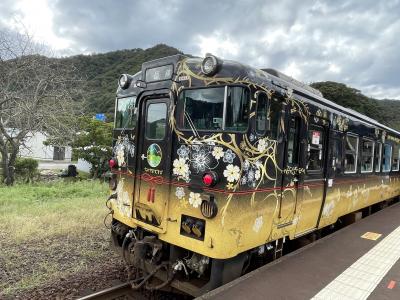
(122, 290)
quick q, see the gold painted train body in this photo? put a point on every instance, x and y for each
(217, 164)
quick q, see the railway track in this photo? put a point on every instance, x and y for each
(121, 291)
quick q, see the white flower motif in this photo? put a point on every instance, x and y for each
(180, 167)
(246, 165)
(183, 151)
(121, 156)
(250, 175)
(218, 152)
(258, 222)
(257, 174)
(262, 145)
(195, 199)
(200, 161)
(243, 181)
(180, 192)
(229, 156)
(232, 173)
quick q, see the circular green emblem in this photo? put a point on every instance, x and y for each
(154, 155)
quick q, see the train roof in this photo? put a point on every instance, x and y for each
(317, 96)
(274, 77)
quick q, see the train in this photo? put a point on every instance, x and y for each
(217, 165)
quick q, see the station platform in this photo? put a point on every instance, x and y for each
(343, 265)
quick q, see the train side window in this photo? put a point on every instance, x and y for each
(337, 154)
(293, 141)
(315, 148)
(367, 155)
(386, 158)
(395, 165)
(351, 153)
(275, 108)
(156, 121)
(378, 157)
(261, 113)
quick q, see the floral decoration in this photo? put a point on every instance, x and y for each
(232, 173)
(195, 199)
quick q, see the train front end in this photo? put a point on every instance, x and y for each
(185, 167)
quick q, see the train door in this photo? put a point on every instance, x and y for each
(291, 175)
(153, 167)
(314, 184)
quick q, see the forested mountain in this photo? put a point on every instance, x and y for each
(102, 72)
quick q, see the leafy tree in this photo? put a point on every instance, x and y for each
(93, 143)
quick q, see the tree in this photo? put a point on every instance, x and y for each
(37, 94)
(93, 143)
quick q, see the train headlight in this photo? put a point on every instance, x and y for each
(198, 229)
(187, 225)
(209, 65)
(124, 81)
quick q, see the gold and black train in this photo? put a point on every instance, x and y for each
(217, 165)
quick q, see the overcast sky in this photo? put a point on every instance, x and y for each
(355, 42)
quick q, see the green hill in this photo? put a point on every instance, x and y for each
(103, 70)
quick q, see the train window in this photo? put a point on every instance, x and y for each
(293, 142)
(315, 148)
(125, 113)
(337, 154)
(351, 153)
(395, 165)
(387, 157)
(156, 121)
(261, 113)
(237, 109)
(275, 108)
(367, 155)
(378, 157)
(204, 109)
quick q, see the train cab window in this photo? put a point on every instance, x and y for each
(206, 108)
(261, 113)
(315, 153)
(156, 121)
(274, 111)
(351, 153)
(378, 157)
(125, 113)
(395, 165)
(386, 158)
(237, 109)
(367, 156)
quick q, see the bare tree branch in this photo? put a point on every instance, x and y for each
(37, 94)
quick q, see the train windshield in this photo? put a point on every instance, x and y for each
(125, 115)
(217, 108)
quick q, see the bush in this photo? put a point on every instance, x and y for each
(26, 169)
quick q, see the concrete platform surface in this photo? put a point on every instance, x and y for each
(340, 266)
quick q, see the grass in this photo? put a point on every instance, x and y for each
(50, 230)
(37, 211)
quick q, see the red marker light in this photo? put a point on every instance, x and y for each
(112, 163)
(209, 179)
